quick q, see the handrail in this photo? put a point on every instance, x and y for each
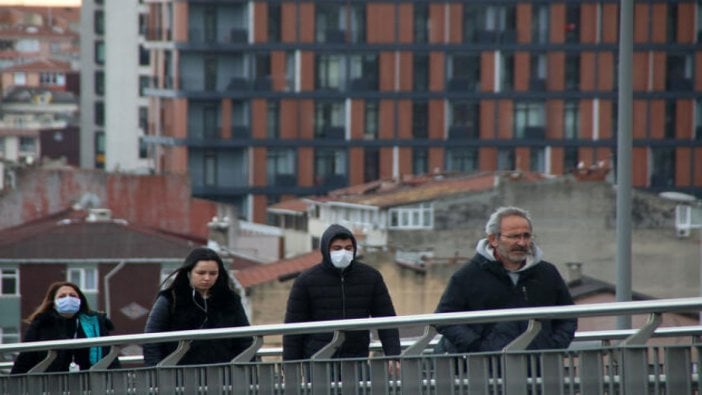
(437, 319)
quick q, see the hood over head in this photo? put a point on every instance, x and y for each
(332, 232)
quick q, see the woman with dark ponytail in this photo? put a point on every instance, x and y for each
(200, 296)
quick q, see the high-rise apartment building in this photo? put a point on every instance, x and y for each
(259, 100)
(115, 69)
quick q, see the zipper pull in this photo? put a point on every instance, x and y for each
(525, 294)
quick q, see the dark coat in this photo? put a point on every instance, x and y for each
(222, 312)
(52, 326)
(324, 292)
(483, 284)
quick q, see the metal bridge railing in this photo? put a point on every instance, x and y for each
(630, 366)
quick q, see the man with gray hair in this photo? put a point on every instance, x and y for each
(507, 271)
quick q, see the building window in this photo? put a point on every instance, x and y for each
(262, 70)
(572, 71)
(418, 216)
(572, 23)
(85, 278)
(464, 119)
(537, 159)
(272, 120)
(570, 158)
(20, 78)
(9, 334)
(337, 23)
(143, 118)
(100, 52)
(99, 27)
(420, 160)
(537, 72)
(489, 24)
(27, 145)
(421, 23)
(699, 22)
(274, 22)
(420, 70)
(329, 119)
(420, 119)
(100, 82)
(363, 73)
(99, 113)
(698, 119)
(462, 159)
(571, 120)
(10, 282)
(52, 79)
(210, 168)
(330, 72)
(143, 84)
(529, 120)
(330, 167)
(669, 124)
(539, 23)
(280, 167)
(372, 120)
(505, 80)
(241, 122)
(679, 72)
(144, 56)
(671, 22)
(371, 164)
(463, 72)
(505, 159)
(662, 168)
(143, 148)
(143, 24)
(99, 150)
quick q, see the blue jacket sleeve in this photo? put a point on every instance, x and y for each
(158, 321)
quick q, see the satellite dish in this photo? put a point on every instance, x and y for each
(678, 196)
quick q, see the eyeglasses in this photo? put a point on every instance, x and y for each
(517, 236)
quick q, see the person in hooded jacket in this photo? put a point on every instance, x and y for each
(64, 314)
(339, 287)
(200, 296)
(507, 271)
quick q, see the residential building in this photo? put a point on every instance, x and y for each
(119, 266)
(29, 34)
(261, 101)
(114, 109)
(442, 217)
(45, 73)
(38, 123)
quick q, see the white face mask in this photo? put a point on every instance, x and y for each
(341, 258)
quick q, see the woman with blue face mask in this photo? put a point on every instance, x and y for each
(64, 314)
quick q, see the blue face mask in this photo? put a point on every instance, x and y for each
(67, 305)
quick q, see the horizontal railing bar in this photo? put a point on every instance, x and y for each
(436, 319)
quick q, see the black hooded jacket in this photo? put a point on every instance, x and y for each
(183, 310)
(52, 326)
(324, 292)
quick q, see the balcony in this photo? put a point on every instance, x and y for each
(241, 132)
(238, 36)
(239, 84)
(680, 84)
(262, 84)
(334, 36)
(331, 132)
(537, 84)
(282, 180)
(363, 85)
(462, 84)
(462, 133)
(534, 133)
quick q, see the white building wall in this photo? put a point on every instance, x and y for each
(88, 67)
(122, 99)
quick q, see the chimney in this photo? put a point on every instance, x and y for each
(218, 232)
(575, 271)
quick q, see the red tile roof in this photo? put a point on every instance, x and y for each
(40, 65)
(265, 273)
(289, 206)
